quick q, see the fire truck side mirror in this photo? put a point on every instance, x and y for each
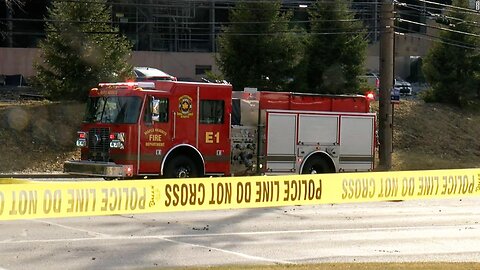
(155, 109)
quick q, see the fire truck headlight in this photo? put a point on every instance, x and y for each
(128, 170)
(117, 140)
(81, 143)
(121, 136)
(116, 144)
(118, 136)
(82, 139)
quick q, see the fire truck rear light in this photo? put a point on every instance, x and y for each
(370, 96)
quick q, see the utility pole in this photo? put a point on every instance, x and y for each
(387, 36)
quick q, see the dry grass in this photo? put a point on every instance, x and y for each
(434, 136)
(38, 136)
(353, 266)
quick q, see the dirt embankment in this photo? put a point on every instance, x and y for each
(435, 136)
(37, 136)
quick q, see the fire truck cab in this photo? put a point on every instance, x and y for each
(183, 129)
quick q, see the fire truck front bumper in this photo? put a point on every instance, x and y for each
(99, 169)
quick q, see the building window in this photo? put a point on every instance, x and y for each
(202, 69)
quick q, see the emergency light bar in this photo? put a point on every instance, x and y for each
(146, 85)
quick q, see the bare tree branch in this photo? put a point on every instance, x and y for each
(12, 3)
(8, 14)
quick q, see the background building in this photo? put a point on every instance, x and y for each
(179, 37)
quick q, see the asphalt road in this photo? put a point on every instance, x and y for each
(433, 231)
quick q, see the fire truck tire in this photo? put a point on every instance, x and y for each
(316, 165)
(181, 167)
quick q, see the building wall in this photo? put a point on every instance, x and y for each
(20, 61)
(407, 48)
(183, 65)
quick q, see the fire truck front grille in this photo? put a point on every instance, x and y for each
(99, 144)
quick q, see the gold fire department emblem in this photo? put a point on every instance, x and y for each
(185, 106)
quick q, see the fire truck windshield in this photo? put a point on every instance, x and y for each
(113, 109)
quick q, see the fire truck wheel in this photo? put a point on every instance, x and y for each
(181, 167)
(315, 165)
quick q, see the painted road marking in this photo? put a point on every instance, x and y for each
(102, 236)
(250, 257)
(73, 228)
(176, 238)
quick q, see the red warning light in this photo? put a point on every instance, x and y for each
(370, 96)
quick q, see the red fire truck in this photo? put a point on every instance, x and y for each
(184, 129)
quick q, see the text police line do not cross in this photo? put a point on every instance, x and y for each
(62, 199)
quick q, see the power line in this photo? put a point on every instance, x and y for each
(439, 16)
(419, 8)
(460, 21)
(468, 10)
(182, 23)
(437, 27)
(218, 4)
(437, 39)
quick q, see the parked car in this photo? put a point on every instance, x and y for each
(372, 80)
(148, 73)
(404, 87)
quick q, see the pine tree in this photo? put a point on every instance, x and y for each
(452, 66)
(336, 50)
(81, 49)
(258, 49)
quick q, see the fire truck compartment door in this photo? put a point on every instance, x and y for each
(281, 138)
(357, 142)
(318, 129)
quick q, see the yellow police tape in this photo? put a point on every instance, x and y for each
(12, 181)
(70, 199)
